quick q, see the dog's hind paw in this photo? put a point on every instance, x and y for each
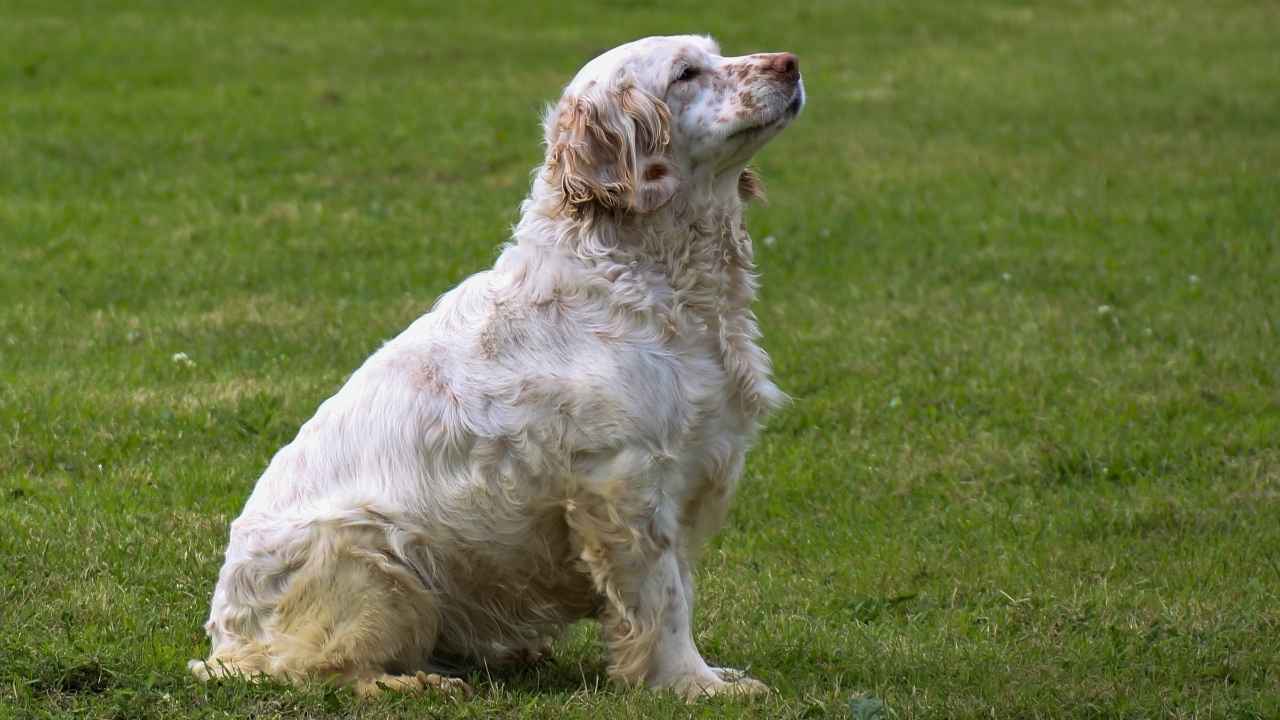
(418, 682)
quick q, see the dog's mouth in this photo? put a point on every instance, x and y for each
(776, 123)
(797, 101)
(744, 142)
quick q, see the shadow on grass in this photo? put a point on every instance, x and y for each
(550, 676)
(83, 677)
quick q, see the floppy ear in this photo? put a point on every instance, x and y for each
(655, 180)
(605, 151)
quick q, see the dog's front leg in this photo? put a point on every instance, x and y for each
(727, 674)
(647, 621)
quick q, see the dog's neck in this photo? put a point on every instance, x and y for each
(700, 250)
(688, 266)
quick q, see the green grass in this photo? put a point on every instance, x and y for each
(1024, 289)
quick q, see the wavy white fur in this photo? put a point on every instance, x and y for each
(560, 435)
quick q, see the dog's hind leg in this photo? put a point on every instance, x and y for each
(353, 607)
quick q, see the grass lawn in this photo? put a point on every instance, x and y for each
(1021, 275)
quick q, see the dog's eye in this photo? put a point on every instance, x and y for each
(689, 73)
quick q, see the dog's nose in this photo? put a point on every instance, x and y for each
(784, 64)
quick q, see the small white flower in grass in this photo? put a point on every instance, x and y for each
(770, 241)
(1104, 309)
(181, 358)
(1193, 279)
(1006, 277)
(895, 402)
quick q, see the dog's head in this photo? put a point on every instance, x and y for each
(647, 119)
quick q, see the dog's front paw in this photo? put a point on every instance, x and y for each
(721, 681)
(730, 675)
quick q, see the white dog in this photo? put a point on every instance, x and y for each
(560, 435)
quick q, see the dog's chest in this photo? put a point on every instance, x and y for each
(710, 317)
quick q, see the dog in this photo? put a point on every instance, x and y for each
(560, 435)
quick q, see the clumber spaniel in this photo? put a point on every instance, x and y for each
(560, 435)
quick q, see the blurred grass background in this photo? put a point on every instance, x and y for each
(1021, 275)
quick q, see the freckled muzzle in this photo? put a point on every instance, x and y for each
(782, 72)
(785, 67)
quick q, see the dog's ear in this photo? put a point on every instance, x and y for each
(655, 181)
(606, 151)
